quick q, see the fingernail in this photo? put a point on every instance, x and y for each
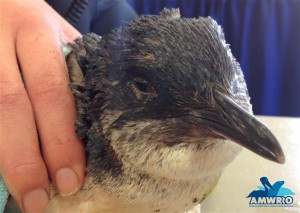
(66, 182)
(35, 201)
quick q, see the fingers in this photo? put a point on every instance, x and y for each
(46, 79)
(33, 39)
(21, 163)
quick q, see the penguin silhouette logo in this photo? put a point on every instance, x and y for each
(271, 195)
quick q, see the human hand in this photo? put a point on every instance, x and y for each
(31, 36)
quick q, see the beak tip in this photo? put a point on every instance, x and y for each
(280, 158)
(274, 153)
(278, 153)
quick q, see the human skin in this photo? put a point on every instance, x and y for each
(37, 113)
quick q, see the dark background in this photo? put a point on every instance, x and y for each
(264, 36)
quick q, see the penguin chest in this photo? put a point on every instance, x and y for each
(150, 195)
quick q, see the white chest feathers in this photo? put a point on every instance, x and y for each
(149, 195)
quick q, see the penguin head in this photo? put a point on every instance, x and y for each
(171, 99)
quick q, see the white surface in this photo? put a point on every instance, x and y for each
(242, 176)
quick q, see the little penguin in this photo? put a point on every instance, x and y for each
(163, 108)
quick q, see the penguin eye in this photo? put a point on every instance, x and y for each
(141, 87)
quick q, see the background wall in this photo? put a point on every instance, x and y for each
(264, 36)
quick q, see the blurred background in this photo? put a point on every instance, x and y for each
(264, 36)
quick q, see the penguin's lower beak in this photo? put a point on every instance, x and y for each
(230, 121)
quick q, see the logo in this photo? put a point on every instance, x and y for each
(270, 195)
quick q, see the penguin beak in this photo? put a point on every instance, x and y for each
(232, 122)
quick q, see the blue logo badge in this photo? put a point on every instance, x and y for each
(270, 195)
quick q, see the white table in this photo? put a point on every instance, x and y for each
(242, 176)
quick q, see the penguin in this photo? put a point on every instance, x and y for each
(163, 108)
